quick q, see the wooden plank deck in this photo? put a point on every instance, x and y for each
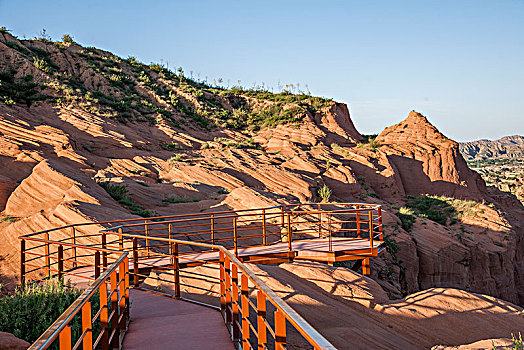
(316, 249)
(160, 322)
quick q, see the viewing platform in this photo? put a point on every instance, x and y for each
(112, 260)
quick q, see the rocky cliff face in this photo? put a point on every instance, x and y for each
(180, 146)
(428, 162)
(506, 147)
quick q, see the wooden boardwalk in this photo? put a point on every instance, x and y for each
(160, 322)
(316, 249)
(307, 249)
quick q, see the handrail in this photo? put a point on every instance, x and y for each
(52, 333)
(298, 322)
(370, 206)
(304, 328)
(367, 220)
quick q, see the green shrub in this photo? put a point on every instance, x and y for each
(176, 158)
(440, 209)
(237, 143)
(325, 193)
(30, 311)
(23, 90)
(518, 343)
(66, 38)
(171, 146)
(368, 138)
(120, 194)
(117, 192)
(41, 64)
(156, 67)
(184, 199)
(8, 218)
(407, 218)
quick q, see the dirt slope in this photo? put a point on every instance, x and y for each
(353, 313)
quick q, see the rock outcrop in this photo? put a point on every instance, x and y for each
(10, 342)
(428, 162)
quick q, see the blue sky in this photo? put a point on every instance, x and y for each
(460, 63)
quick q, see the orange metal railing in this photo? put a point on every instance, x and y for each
(254, 228)
(112, 290)
(88, 251)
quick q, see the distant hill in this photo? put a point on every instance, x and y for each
(506, 147)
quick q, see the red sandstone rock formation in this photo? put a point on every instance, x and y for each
(52, 156)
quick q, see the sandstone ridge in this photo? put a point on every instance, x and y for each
(74, 117)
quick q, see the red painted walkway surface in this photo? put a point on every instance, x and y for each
(159, 322)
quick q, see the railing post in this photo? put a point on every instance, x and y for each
(282, 216)
(176, 270)
(261, 316)
(227, 277)
(289, 232)
(122, 296)
(114, 311)
(319, 224)
(126, 265)
(73, 233)
(280, 330)
(365, 267)
(264, 233)
(358, 220)
(222, 283)
(371, 228)
(245, 312)
(120, 239)
(65, 338)
(60, 261)
(135, 262)
(379, 210)
(97, 264)
(147, 235)
(235, 303)
(169, 236)
(212, 228)
(46, 253)
(22, 263)
(104, 317)
(104, 253)
(235, 238)
(87, 327)
(330, 242)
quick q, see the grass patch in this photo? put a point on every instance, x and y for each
(370, 142)
(176, 158)
(237, 143)
(172, 146)
(518, 343)
(30, 311)
(19, 90)
(407, 218)
(8, 218)
(184, 199)
(443, 210)
(120, 194)
(325, 193)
